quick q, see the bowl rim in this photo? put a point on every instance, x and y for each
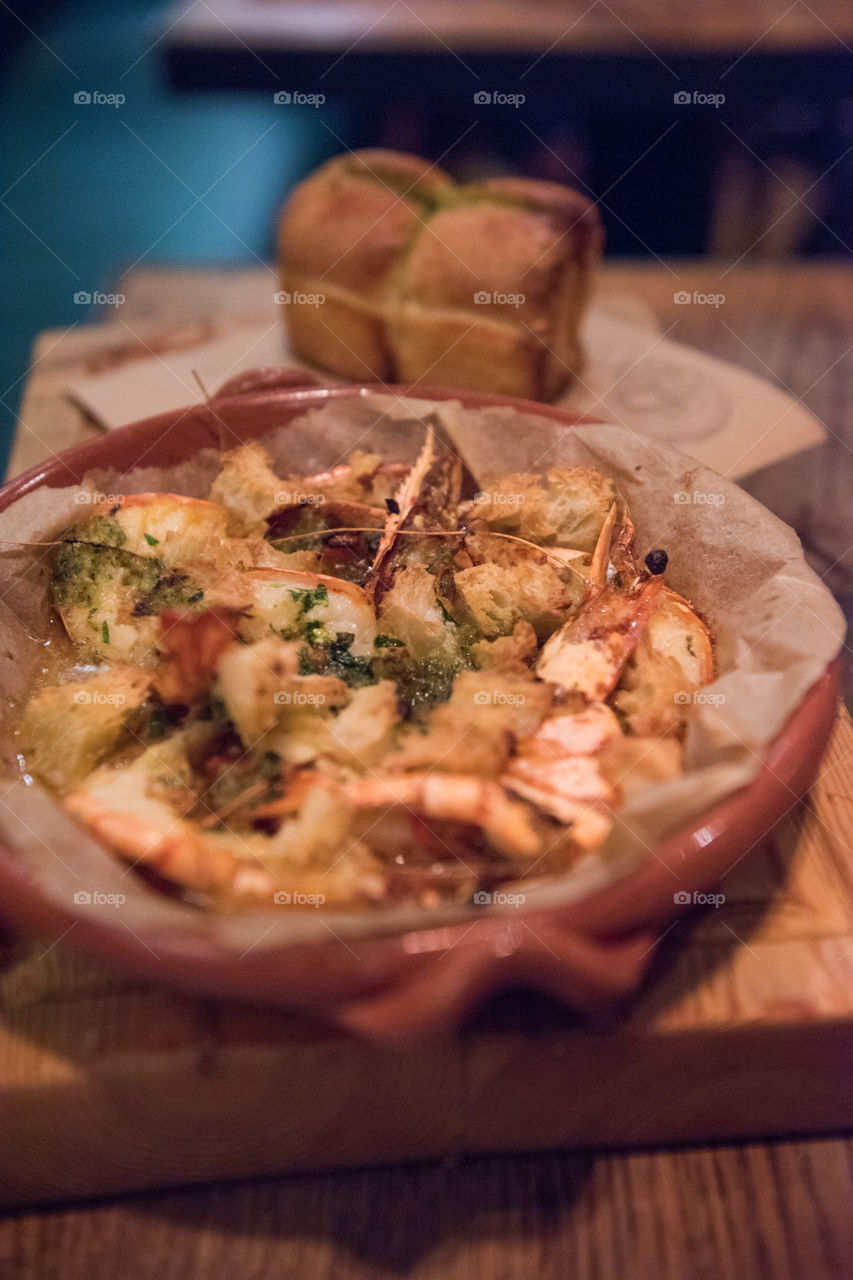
(413, 981)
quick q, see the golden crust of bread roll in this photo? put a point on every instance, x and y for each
(481, 287)
(342, 236)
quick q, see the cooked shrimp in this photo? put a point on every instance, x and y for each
(115, 807)
(169, 527)
(282, 598)
(345, 479)
(448, 797)
(601, 555)
(426, 502)
(399, 510)
(336, 741)
(588, 652)
(558, 769)
(353, 515)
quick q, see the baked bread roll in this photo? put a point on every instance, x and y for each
(481, 287)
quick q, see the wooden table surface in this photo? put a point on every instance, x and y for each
(539, 26)
(775, 1211)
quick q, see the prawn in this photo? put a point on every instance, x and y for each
(558, 770)
(481, 802)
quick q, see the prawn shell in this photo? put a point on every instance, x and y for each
(589, 651)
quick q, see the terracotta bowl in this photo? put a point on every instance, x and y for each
(589, 953)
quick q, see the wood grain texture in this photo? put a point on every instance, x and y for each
(744, 1028)
(748, 1011)
(770, 1212)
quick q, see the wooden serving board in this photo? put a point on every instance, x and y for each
(744, 1028)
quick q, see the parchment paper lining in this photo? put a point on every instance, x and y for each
(776, 629)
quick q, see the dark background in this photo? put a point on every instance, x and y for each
(88, 191)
